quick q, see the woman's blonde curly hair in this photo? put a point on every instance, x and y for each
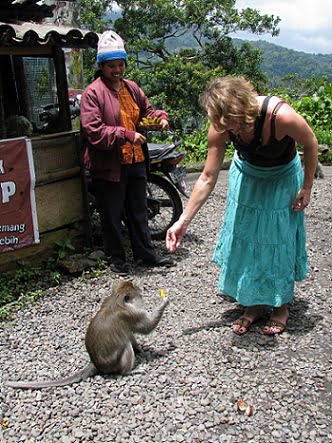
(230, 99)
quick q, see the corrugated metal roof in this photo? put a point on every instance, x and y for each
(29, 10)
(34, 35)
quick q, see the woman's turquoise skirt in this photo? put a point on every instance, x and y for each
(262, 245)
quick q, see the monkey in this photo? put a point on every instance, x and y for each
(110, 337)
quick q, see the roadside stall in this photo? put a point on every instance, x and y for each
(42, 190)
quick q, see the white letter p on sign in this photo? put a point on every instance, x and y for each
(8, 189)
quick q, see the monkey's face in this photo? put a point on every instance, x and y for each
(127, 294)
(133, 298)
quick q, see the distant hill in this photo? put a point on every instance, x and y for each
(278, 61)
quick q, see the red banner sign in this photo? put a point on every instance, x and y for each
(18, 215)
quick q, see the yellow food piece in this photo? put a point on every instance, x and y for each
(150, 120)
(162, 293)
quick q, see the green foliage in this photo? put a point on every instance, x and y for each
(326, 159)
(92, 14)
(56, 277)
(64, 248)
(167, 87)
(324, 137)
(243, 61)
(14, 292)
(42, 83)
(196, 145)
(317, 109)
(312, 98)
(293, 87)
(96, 272)
(21, 301)
(10, 286)
(25, 285)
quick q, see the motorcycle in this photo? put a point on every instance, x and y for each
(49, 115)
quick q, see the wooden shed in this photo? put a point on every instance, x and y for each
(34, 103)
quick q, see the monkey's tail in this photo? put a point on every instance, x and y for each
(89, 371)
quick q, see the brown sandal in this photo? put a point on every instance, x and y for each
(274, 324)
(243, 323)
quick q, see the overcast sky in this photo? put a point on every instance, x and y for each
(306, 25)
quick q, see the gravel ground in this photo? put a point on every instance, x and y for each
(193, 369)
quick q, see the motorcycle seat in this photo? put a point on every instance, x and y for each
(161, 151)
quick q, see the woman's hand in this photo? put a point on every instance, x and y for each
(301, 200)
(175, 235)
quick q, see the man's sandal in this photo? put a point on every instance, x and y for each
(274, 324)
(244, 323)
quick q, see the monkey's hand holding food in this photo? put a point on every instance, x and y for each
(165, 303)
(151, 124)
(162, 294)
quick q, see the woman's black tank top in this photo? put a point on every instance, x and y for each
(275, 152)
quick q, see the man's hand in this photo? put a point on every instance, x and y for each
(139, 138)
(163, 124)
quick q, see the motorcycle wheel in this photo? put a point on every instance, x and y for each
(164, 206)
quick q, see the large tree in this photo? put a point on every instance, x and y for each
(147, 25)
(177, 46)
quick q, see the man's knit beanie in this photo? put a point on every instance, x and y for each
(111, 47)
